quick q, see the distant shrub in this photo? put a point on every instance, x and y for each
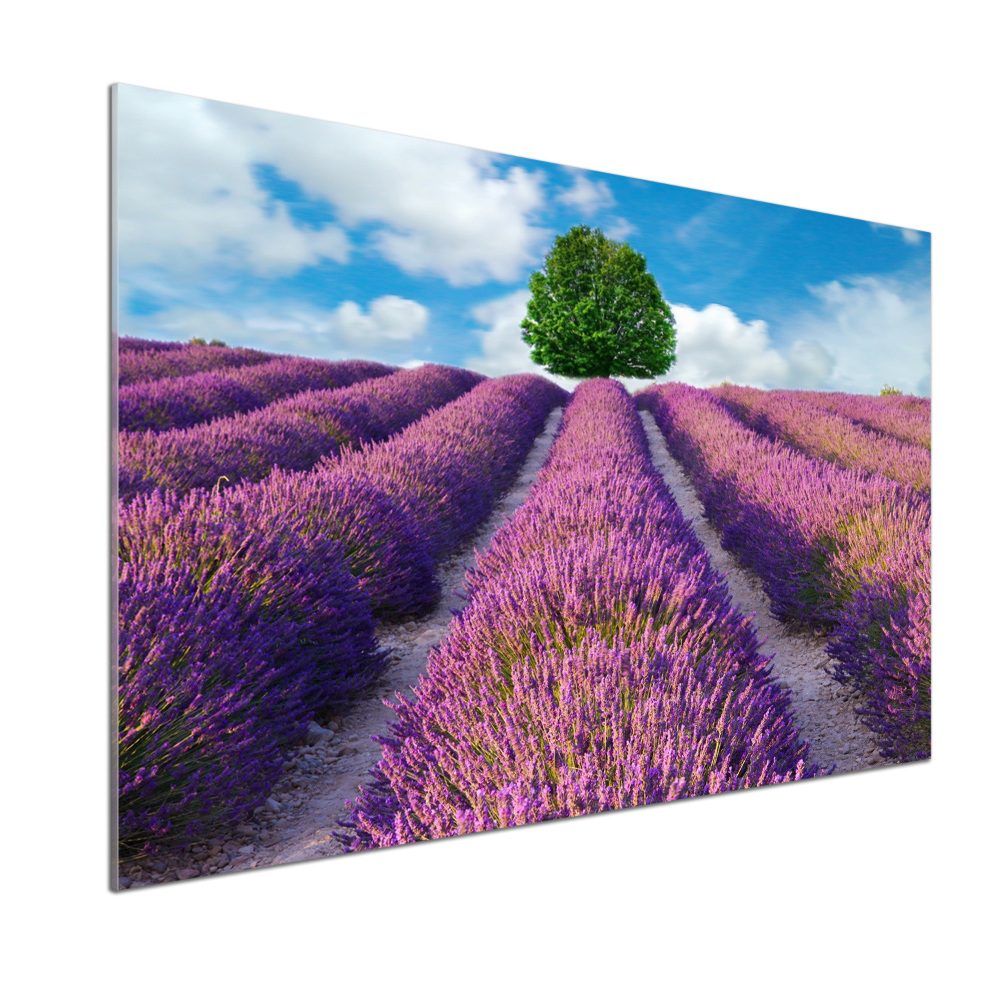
(890, 390)
(200, 341)
(216, 343)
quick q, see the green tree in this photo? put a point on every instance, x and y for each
(595, 311)
(890, 390)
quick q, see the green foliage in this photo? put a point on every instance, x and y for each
(595, 311)
(216, 343)
(890, 390)
(200, 341)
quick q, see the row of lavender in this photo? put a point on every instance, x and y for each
(899, 401)
(143, 365)
(400, 506)
(836, 549)
(794, 419)
(292, 433)
(187, 400)
(907, 418)
(142, 344)
(244, 613)
(599, 664)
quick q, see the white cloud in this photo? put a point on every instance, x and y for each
(714, 345)
(389, 318)
(619, 230)
(912, 236)
(877, 329)
(586, 195)
(188, 198)
(503, 352)
(349, 331)
(475, 231)
(863, 332)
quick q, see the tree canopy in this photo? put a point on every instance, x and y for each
(595, 311)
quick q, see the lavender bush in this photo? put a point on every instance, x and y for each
(234, 630)
(292, 433)
(907, 418)
(188, 400)
(381, 544)
(883, 645)
(794, 419)
(246, 611)
(447, 470)
(835, 549)
(141, 344)
(598, 665)
(397, 505)
(145, 365)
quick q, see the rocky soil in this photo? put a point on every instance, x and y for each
(298, 820)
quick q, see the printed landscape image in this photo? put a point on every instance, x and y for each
(458, 491)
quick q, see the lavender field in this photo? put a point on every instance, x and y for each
(292, 532)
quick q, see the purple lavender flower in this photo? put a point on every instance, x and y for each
(838, 549)
(184, 401)
(234, 630)
(164, 362)
(244, 612)
(291, 433)
(793, 418)
(599, 664)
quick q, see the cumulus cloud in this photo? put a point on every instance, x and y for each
(389, 324)
(878, 330)
(715, 345)
(586, 195)
(862, 332)
(189, 197)
(389, 318)
(502, 351)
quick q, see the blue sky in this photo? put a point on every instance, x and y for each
(300, 236)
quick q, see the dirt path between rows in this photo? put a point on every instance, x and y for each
(297, 821)
(824, 710)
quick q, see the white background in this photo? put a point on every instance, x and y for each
(879, 884)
